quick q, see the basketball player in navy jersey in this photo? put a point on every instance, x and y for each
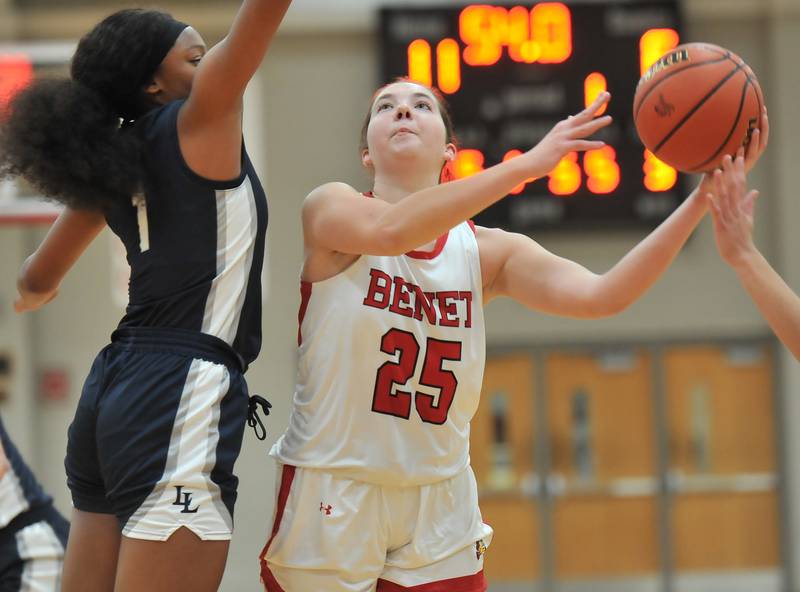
(376, 491)
(146, 137)
(32, 532)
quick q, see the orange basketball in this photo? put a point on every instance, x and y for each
(695, 105)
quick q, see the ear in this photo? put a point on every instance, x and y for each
(366, 160)
(153, 90)
(450, 152)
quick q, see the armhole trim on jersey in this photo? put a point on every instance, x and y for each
(437, 249)
(472, 226)
(305, 296)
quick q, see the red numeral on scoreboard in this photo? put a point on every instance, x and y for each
(602, 170)
(653, 44)
(658, 175)
(448, 58)
(398, 403)
(543, 34)
(565, 179)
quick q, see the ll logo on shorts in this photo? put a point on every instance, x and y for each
(185, 502)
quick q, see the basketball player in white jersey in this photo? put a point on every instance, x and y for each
(376, 491)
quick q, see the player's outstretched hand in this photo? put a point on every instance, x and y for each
(569, 135)
(732, 207)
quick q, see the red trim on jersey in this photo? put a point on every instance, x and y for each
(305, 296)
(473, 583)
(269, 581)
(472, 225)
(437, 248)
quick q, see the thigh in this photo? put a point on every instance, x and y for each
(90, 562)
(183, 562)
(327, 535)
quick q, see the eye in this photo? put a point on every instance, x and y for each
(383, 107)
(424, 105)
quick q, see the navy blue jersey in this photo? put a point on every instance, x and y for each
(19, 490)
(195, 246)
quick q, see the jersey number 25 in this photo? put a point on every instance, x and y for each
(398, 403)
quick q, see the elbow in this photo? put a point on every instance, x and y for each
(601, 304)
(31, 283)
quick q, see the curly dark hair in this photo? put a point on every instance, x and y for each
(65, 136)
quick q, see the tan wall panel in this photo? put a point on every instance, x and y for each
(600, 536)
(740, 413)
(515, 550)
(622, 439)
(726, 531)
(514, 376)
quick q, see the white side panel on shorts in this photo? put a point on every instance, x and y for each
(185, 494)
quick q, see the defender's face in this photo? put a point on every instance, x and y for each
(174, 77)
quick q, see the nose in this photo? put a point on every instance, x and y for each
(403, 112)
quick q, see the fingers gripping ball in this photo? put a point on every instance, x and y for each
(695, 105)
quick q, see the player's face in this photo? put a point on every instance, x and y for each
(173, 79)
(406, 124)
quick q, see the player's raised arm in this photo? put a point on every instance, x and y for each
(563, 287)
(732, 208)
(515, 266)
(224, 72)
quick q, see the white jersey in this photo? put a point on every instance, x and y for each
(391, 357)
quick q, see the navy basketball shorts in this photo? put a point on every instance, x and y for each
(157, 432)
(32, 551)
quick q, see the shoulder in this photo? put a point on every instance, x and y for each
(327, 193)
(493, 240)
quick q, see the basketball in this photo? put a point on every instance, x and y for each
(695, 105)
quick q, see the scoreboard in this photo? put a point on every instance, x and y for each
(510, 72)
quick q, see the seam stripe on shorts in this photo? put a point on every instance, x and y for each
(473, 583)
(267, 578)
